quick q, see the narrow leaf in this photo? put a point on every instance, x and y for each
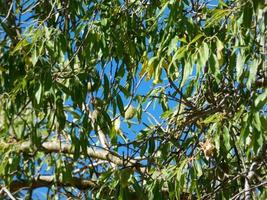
(120, 105)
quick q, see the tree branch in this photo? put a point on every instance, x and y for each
(47, 181)
(251, 188)
(4, 190)
(102, 154)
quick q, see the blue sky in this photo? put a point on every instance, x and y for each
(154, 109)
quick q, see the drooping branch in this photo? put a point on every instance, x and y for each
(47, 181)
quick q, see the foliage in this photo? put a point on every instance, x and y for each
(133, 99)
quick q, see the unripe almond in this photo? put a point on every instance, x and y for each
(90, 87)
(117, 123)
(130, 112)
(94, 115)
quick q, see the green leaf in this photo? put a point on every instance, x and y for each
(203, 55)
(124, 91)
(264, 122)
(20, 45)
(155, 19)
(173, 45)
(198, 168)
(106, 87)
(217, 117)
(245, 128)
(215, 67)
(257, 121)
(152, 65)
(38, 94)
(166, 114)
(177, 56)
(253, 68)
(261, 100)
(19, 129)
(217, 15)
(104, 22)
(240, 61)
(120, 105)
(196, 38)
(219, 52)
(257, 141)
(226, 138)
(143, 149)
(151, 146)
(187, 70)
(34, 57)
(217, 142)
(158, 72)
(247, 15)
(221, 2)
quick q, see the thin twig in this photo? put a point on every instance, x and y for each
(8, 13)
(251, 188)
(4, 189)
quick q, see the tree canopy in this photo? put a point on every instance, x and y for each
(131, 99)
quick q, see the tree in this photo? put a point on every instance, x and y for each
(133, 99)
